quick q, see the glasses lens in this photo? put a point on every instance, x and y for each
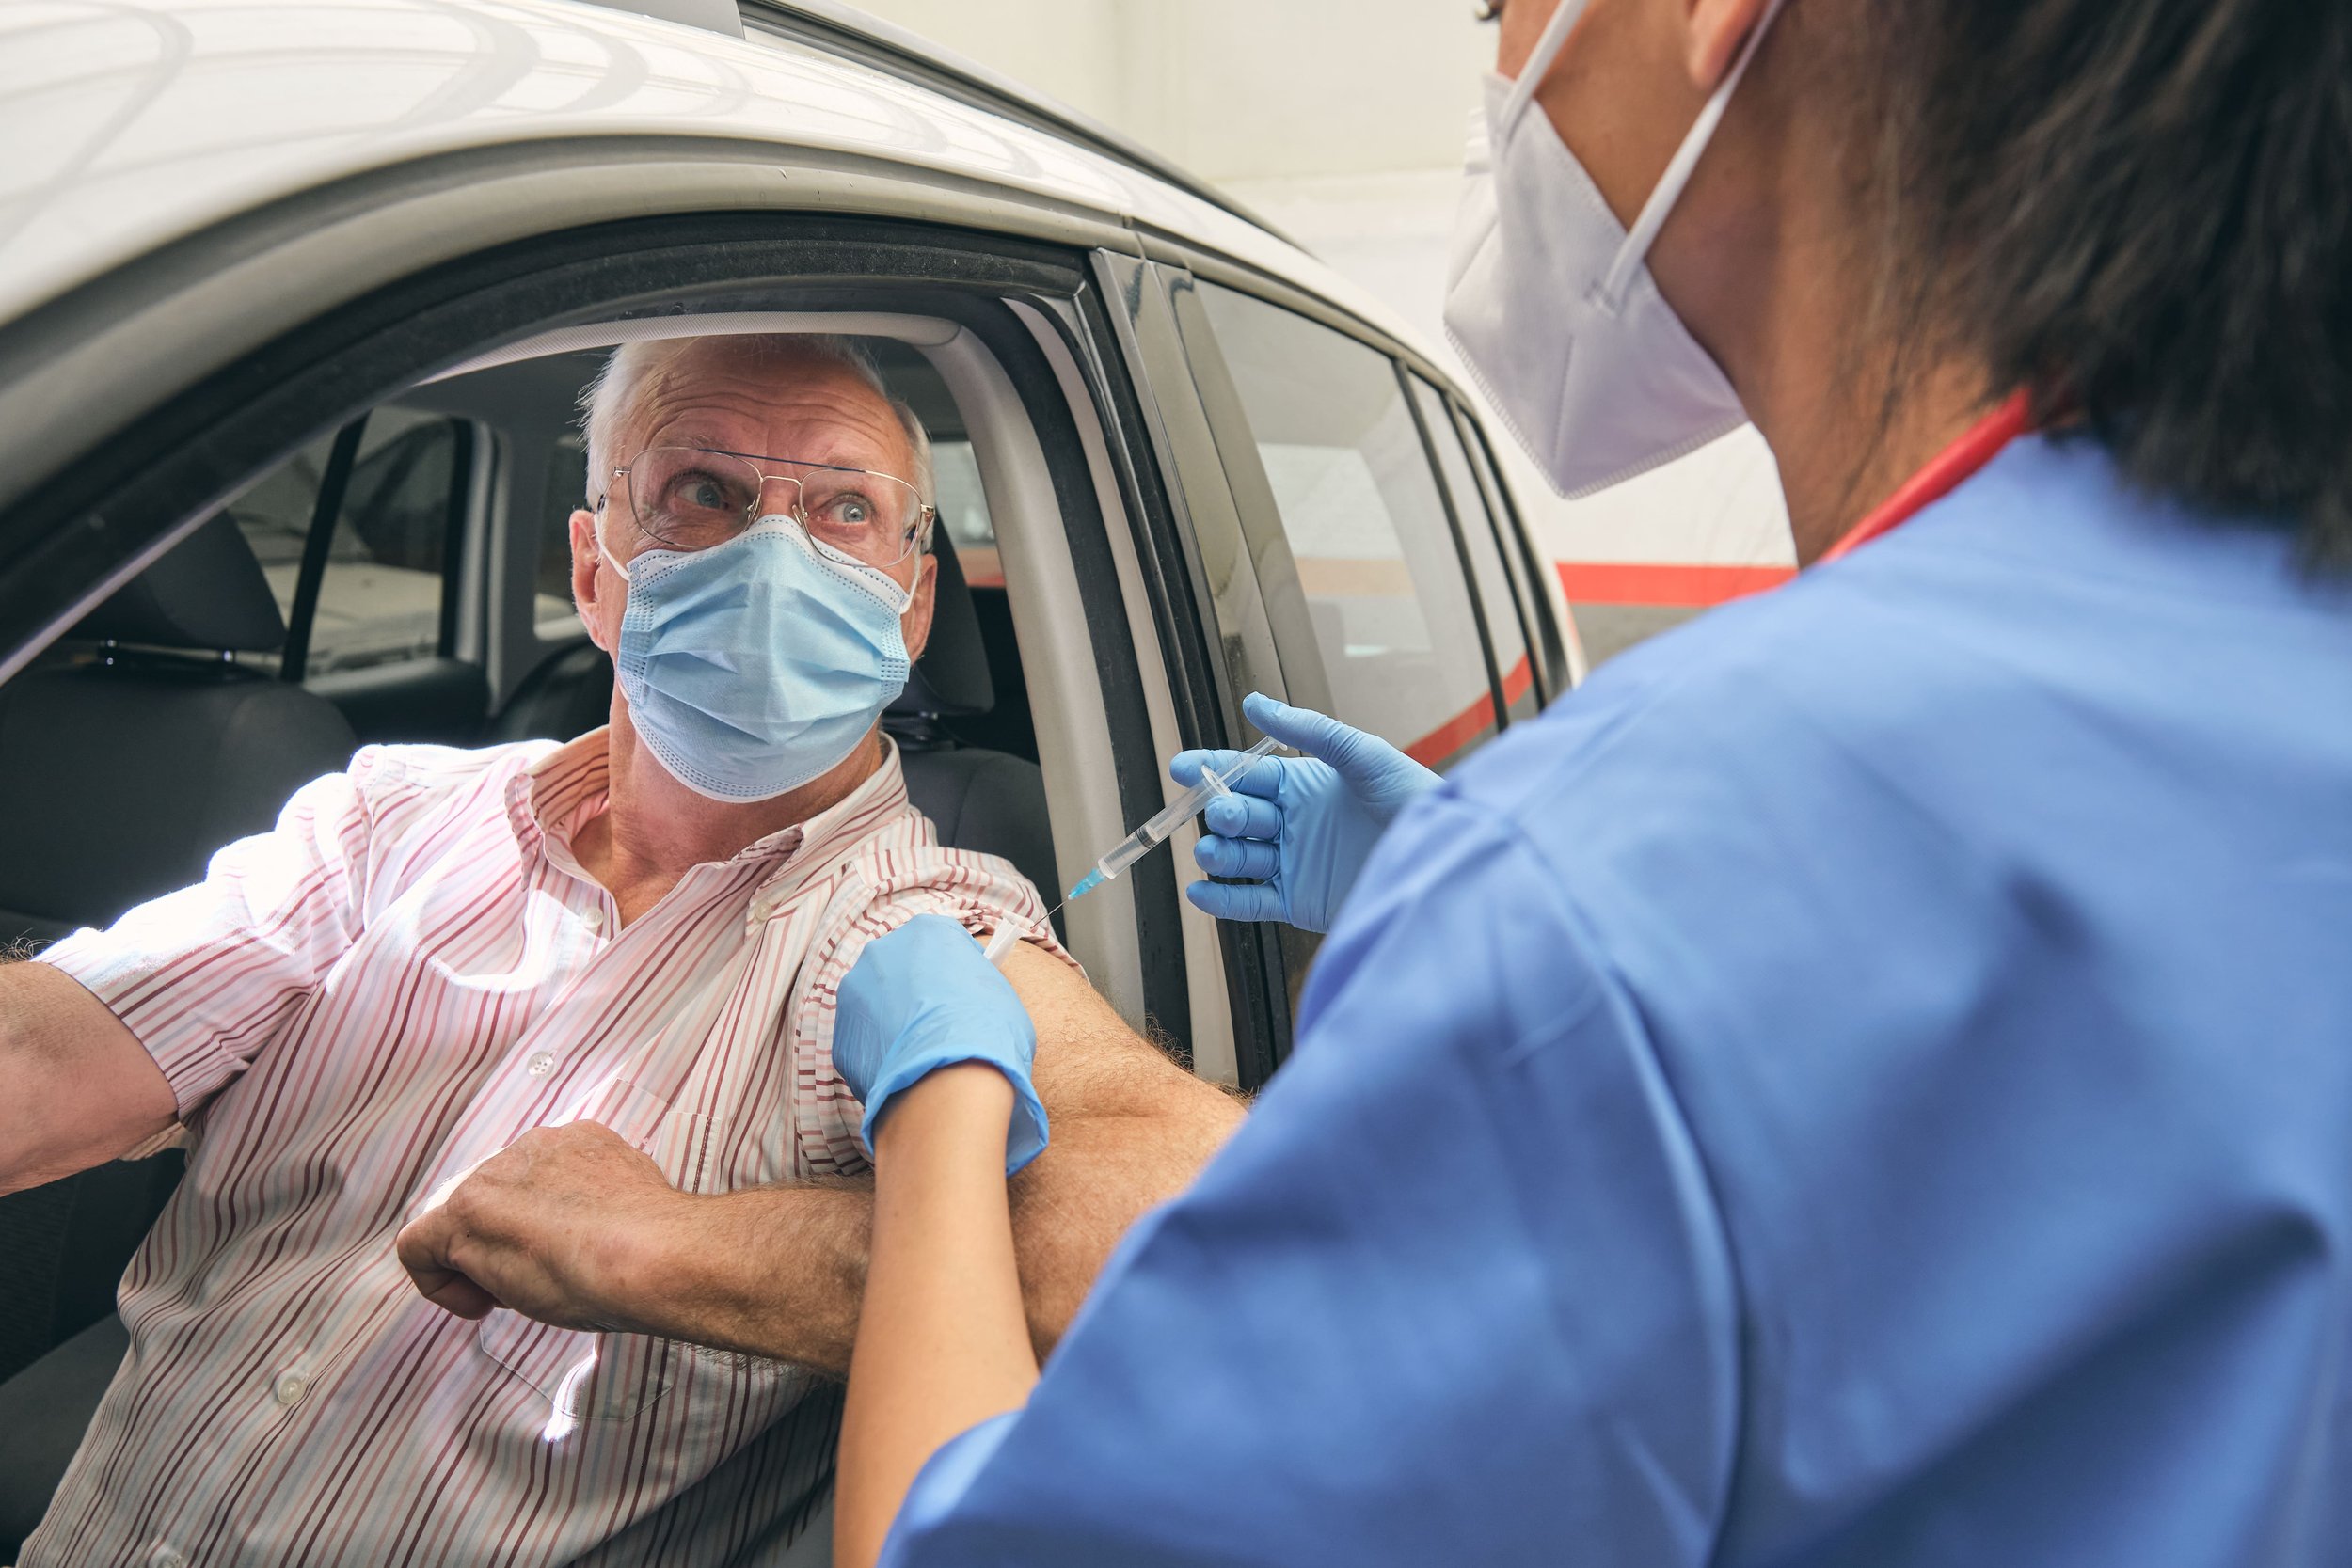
(691, 500)
(871, 517)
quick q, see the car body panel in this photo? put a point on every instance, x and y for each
(133, 126)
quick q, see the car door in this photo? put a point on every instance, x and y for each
(1367, 578)
(1023, 323)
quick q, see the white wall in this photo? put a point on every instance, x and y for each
(1240, 89)
(1343, 121)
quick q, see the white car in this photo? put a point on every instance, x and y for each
(296, 302)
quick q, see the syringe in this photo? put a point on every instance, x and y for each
(1144, 839)
(1169, 818)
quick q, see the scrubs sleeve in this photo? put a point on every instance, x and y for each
(1455, 1294)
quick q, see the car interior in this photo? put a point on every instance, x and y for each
(403, 578)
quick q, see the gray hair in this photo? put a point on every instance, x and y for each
(608, 399)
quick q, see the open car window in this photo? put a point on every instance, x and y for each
(383, 595)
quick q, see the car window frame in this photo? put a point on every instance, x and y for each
(1450, 503)
(1294, 632)
(1509, 606)
(1196, 533)
(1520, 548)
(1202, 382)
(1554, 670)
(200, 445)
(295, 659)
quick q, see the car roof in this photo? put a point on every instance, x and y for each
(137, 124)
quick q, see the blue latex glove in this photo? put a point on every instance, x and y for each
(1299, 828)
(923, 997)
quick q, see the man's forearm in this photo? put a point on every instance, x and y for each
(771, 1271)
(1098, 1177)
(571, 1226)
(779, 1271)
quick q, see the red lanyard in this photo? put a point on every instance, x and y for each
(1979, 445)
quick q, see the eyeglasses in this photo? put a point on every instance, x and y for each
(692, 499)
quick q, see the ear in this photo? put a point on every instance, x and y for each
(588, 566)
(1714, 30)
(914, 627)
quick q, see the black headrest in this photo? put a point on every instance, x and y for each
(206, 592)
(951, 679)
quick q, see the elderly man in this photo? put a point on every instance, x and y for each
(571, 1006)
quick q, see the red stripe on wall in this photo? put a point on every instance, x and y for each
(1472, 722)
(1658, 583)
(1454, 734)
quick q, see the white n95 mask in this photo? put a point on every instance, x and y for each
(1549, 301)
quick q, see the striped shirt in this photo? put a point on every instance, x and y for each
(355, 1008)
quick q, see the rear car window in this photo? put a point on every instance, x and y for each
(553, 617)
(383, 596)
(963, 513)
(1366, 526)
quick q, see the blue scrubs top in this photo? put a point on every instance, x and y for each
(1866, 1081)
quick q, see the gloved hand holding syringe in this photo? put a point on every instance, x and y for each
(1154, 833)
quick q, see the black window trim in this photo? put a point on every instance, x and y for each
(1554, 675)
(1461, 546)
(1158, 381)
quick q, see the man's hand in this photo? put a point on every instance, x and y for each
(574, 1227)
(549, 1226)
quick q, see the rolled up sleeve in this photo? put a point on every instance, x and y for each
(207, 977)
(888, 888)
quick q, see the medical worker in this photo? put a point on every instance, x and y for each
(1866, 1080)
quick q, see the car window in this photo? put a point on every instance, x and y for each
(1366, 527)
(383, 596)
(553, 619)
(1506, 632)
(963, 513)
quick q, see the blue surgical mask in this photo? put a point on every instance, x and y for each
(759, 664)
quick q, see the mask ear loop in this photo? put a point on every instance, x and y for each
(1686, 159)
(604, 509)
(1539, 62)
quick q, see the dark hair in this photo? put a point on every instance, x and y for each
(2140, 211)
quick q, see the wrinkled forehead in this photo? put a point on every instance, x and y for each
(773, 402)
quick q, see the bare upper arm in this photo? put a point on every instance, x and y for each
(76, 1087)
(1090, 1063)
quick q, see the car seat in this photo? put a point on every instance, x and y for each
(992, 801)
(125, 761)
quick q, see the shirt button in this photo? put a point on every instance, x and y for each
(164, 1557)
(289, 1388)
(594, 920)
(540, 1064)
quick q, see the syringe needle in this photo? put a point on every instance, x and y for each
(1009, 931)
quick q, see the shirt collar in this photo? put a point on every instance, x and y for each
(546, 801)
